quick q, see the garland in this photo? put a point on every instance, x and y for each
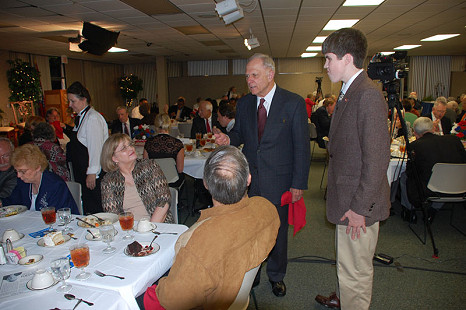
(130, 86)
(23, 81)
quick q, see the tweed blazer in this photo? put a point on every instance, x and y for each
(281, 160)
(150, 183)
(359, 154)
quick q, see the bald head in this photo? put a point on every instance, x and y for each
(205, 109)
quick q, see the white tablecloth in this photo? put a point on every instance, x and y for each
(139, 272)
(194, 165)
(395, 168)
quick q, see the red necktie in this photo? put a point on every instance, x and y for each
(126, 128)
(261, 118)
(207, 126)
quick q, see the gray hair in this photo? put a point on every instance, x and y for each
(121, 108)
(208, 105)
(226, 174)
(422, 125)
(440, 100)
(452, 105)
(267, 61)
(8, 141)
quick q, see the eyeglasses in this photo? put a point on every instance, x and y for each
(125, 147)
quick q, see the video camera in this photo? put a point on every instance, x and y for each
(388, 67)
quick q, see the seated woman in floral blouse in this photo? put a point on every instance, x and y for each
(131, 184)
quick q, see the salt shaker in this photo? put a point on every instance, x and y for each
(2, 255)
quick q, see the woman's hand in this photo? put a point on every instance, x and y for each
(90, 181)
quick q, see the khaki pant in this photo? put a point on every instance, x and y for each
(354, 267)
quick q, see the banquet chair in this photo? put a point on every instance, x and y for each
(168, 166)
(313, 134)
(174, 204)
(75, 189)
(446, 179)
(241, 301)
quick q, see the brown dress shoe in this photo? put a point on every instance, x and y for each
(330, 302)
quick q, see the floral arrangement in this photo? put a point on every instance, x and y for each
(459, 130)
(130, 86)
(142, 132)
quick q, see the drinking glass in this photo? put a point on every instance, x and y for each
(64, 215)
(126, 222)
(107, 232)
(49, 216)
(61, 271)
(80, 256)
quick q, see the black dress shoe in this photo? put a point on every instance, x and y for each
(278, 288)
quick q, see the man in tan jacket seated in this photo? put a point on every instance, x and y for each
(229, 239)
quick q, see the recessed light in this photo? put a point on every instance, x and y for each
(117, 50)
(306, 55)
(314, 48)
(406, 47)
(440, 37)
(387, 53)
(362, 2)
(319, 39)
(336, 24)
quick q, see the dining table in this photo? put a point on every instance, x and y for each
(105, 292)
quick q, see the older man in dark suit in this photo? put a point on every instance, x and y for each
(272, 124)
(206, 120)
(359, 152)
(442, 125)
(124, 123)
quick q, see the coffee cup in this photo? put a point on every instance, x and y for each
(144, 225)
(42, 279)
(11, 234)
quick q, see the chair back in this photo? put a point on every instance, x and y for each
(313, 131)
(448, 178)
(410, 117)
(174, 204)
(242, 299)
(75, 189)
(168, 166)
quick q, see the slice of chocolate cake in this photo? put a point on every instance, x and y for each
(134, 248)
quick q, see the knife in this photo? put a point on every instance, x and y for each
(81, 220)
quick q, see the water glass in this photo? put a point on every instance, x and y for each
(107, 233)
(61, 271)
(64, 215)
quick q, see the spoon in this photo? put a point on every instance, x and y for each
(164, 233)
(93, 237)
(150, 245)
(72, 297)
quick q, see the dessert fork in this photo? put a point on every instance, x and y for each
(101, 274)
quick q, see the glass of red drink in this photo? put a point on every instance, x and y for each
(189, 147)
(126, 223)
(80, 256)
(49, 216)
(202, 142)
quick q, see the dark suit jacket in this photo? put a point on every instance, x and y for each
(426, 152)
(116, 125)
(185, 112)
(359, 152)
(281, 160)
(199, 125)
(446, 124)
(322, 121)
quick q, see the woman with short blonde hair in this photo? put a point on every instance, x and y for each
(37, 187)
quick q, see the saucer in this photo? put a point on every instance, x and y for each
(145, 232)
(29, 286)
(31, 260)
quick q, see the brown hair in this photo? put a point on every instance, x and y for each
(110, 145)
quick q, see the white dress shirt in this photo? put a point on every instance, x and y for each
(268, 99)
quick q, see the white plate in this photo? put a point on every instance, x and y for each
(6, 211)
(99, 238)
(112, 217)
(144, 232)
(25, 260)
(154, 245)
(42, 243)
(28, 285)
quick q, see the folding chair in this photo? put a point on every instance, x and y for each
(242, 299)
(75, 189)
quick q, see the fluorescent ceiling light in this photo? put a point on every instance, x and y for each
(314, 48)
(336, 24)
(305, 55)
(441, 37)
(362, 2)
(387, 53)
(319, 39)
(117, 50)
(406, 47)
